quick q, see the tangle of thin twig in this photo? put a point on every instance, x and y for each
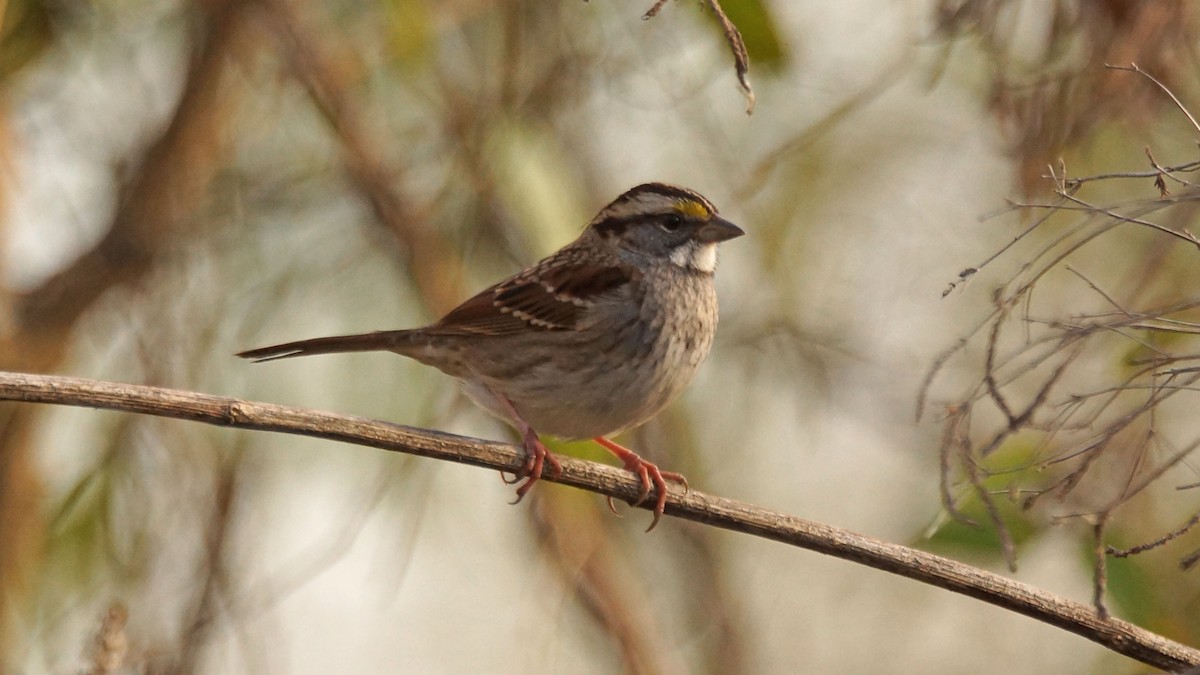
(1077, 428)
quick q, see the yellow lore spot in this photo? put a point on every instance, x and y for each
(692, 209)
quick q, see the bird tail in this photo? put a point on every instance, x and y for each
(390, 340)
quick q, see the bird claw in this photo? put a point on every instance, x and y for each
(678, 478)
(523, 490)
(649, 474)
(536, 457)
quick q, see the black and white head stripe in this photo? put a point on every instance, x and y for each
(651, 199)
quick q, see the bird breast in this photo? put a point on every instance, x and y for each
(631, 355)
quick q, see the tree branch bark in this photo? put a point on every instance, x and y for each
(1119, 636)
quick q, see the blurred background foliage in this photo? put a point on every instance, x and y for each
(182, 180)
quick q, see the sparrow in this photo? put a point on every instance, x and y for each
(589, 342)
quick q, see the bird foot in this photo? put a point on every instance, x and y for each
(536, 457)
(650, 475)
(536, 454)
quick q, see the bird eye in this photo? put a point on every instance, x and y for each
(671, 223)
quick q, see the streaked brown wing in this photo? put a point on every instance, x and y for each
(552, 296)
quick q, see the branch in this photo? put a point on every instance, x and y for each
(1133, 68)
(156, 208)
(733, 37)
(313, 59)
(1119, 636)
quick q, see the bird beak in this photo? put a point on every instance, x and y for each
(718, 229)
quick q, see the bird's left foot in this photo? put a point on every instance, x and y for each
(536, 454)
(536, 457)
(650, 475)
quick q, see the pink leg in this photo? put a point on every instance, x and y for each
(649, 474)
(536, 453)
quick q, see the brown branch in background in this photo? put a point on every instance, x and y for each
(989, 369)
(1187, 167)
(1099, 291)
(214, 590)
(975, 476)
(653, 11)
(154, 208)
(1185, 236)
(1099, 566)
(153, 212)
(1108, 434)
(722, 590)
(1119, 636)
(936, 367)
(1118, 408)
(1166, 538)
(955, 441)
(1153, 475)
(1057, 99)
(741, 59)
(436, 267)
(1133, 68)
(580, 549)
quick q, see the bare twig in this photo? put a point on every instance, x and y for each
(1166, 538)
(1185, 236)
(653, 11)
(154, 210)
(954, 437)
(741, 59)
(1088, 433)
(1100, 565)
(1133, 68)
(1119, 636)
(1158, 171)
(975, 476)
(989, 370)
(311, 57)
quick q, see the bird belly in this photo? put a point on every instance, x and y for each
(580, 403)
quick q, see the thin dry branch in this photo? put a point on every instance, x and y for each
(1133, 68)
(153, 212)
(741, 59)
(1161, 541)
(1101, 429)
(312, 58)
(1139, 175)
(1119, 636)
(155, 208)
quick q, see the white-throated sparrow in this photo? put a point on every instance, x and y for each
(589, 342)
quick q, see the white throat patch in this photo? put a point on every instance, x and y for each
(697, 256)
